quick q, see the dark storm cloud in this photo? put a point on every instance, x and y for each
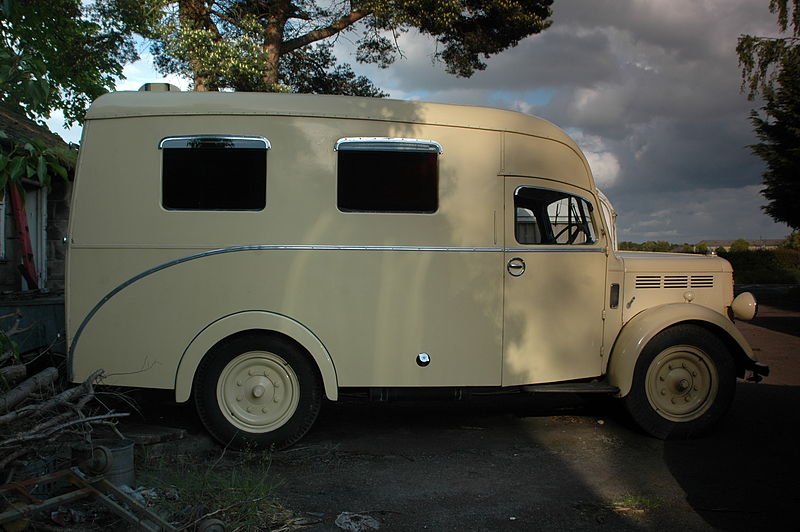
(649, 89)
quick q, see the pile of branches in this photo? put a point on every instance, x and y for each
(40, 410)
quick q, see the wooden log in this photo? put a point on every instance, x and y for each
(16, 395)
(67, 396)
(11, 374)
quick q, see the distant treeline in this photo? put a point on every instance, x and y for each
(750, 266)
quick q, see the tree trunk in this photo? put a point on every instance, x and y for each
(192, 14)
(273, 38)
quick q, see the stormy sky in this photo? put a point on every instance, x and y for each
(650, 91)
(648, 88)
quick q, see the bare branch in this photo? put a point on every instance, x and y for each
(44, 435)
(323, 33)
(18, 394)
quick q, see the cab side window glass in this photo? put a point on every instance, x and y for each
(387, 175)
(214, 173)
(550, 217)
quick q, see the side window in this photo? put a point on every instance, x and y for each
(550, 217)
(214, 173)
(388, 175)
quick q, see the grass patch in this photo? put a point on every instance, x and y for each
(635, 503)
(186, 489)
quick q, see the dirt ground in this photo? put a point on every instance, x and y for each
(555, 462)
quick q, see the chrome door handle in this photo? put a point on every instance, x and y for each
(516, 267)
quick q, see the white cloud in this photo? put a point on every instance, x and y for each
(603, 163)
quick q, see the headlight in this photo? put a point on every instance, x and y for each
(744, 306)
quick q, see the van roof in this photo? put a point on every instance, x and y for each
(126, 104)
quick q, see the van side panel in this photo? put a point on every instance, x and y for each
(376, 289)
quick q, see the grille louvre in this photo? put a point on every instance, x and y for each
(674, 281)
(648, 281)
(702, 281)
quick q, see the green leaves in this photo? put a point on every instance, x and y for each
(771, 70)
(761, 59)
(256, 45)
(62, 54)
(31, 159)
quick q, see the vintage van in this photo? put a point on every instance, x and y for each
(257, 253)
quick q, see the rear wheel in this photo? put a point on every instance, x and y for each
(257, 390)
(683, 383)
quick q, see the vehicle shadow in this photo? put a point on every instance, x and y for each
(744, 475)
(782, 324)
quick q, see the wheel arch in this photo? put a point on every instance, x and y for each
(636, 334)
(245, 321)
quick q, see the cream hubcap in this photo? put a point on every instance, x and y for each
(258, 391)
(682, 383)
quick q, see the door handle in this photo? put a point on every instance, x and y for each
(516, 267)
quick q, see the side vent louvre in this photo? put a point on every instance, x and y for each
(702, 281)
(674, 281)
(648, 281)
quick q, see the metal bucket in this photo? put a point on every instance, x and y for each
(112, 458)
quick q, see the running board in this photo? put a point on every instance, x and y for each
(572, 387)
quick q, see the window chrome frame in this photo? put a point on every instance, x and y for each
(393, 144)
(214, 141)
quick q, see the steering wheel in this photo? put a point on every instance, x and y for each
(572, 230)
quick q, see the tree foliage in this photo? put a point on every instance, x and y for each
(739, 245)
(779, 134)
(792, 241)
(771, 69)
(61, 54)
(762, 59)
(285, 44)
(31, 159)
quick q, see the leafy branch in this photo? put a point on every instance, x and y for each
(31, 159)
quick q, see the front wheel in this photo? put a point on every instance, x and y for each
(683, 383)
(257, 390)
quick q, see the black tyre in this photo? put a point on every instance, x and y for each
(257, 390)
(683, 383)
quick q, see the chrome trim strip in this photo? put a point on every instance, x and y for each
(239, 141)
(388, 144)
(556, 249)
(294, 247)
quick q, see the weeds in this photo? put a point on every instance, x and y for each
(635, 503)
(235, 489)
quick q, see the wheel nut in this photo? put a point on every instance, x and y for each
(239, 398)
(250, 409)
(264, 410)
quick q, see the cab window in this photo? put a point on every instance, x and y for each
(551, 217)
